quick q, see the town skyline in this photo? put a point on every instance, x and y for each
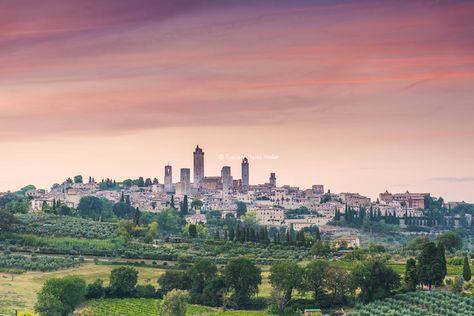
(172, 175)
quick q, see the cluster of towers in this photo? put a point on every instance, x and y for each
(198, 175)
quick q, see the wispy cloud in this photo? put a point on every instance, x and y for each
(452, 179)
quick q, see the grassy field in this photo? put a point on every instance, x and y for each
(19, 291)
(145, 307)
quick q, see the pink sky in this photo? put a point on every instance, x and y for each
(360, 96)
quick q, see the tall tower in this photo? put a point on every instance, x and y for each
(168, 179)
(226, 178)
(273, 180)
(198, 165)
(185, 178)
(245, 172)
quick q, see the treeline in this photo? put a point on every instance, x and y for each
(357, 218)
(260, 234)
(236, 284)
(429, 269)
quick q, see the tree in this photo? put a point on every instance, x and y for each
(49, 305)
(6, 220)
(430, 265)
(173, 279)
(123, 210)
(184, 206)
(123, 281)
(78, 179)
(152, 232)
(168, 221)
(136, 217)
(214, 292)
(242, 276)
(286, 276)
(95, 290)
(172, 206)
(146, 291)
(317, 235)
(127, 183)
(201, 273)
(18, 206)
(375, 279)
(241, 209)
(411, 277)
(466, 270)
(441, 264)
(174, 303)
(195, 204)
(95, 208)
(314, 274)
(63, 209)
(321, 248)
(339, 283)
(451, 241)
(4, 199)
(61, 296)
(148, 182)
(192, 231)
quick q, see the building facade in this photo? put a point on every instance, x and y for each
(198, 160)
(168, 179)
(245, 173)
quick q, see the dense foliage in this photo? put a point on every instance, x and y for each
(60, 226)
(59, 297)
(37, 263)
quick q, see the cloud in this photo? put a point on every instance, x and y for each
(452, 179)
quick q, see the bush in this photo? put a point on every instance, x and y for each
(95, 290)
(146, 291)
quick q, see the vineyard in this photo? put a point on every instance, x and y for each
(37, 263)
(421, 303)
(145, 307)
(63, 226)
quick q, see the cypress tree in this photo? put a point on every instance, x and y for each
(466, 270)
(136, 217)
(442, 264)
(411, 277)
(185, 206)
(231, 234)
(427, 268)
(172, 202)
(238, 234)
(318, 234)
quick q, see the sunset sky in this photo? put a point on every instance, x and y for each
(361, 96)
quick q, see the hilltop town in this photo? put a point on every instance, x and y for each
(273, 204)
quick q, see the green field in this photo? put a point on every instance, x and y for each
(18, 291)
(145, 307)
